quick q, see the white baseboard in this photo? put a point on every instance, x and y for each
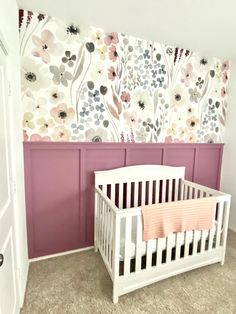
(60, 254)
(232, 229)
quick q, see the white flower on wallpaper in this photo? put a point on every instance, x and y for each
(80, 84)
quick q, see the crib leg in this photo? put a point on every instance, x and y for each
(115, 297)
(223, 260)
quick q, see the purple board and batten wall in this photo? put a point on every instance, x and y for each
(60, 184)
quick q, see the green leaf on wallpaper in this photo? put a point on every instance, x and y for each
(157, 122)
(105, 123)
(80, 67)
(155, 100)
(224, 113)
(158, 131)
(217, 104)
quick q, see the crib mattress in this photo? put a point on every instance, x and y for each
(162, 243)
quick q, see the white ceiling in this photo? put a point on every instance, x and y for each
(205, 26)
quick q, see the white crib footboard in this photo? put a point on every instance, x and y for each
(133, 263)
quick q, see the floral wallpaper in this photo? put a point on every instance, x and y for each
(81, 84)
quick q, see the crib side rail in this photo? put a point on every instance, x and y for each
(105, 219)
(192, 190)
(202, 188)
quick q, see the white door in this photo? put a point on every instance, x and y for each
(8, 295)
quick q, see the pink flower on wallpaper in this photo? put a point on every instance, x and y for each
(168, 139)
(111, 38)
(223, 92)
(187, 74)
(39, 138)
(45, 46)
(225, 76)
(131, 119)
(62, 114)
(225, 66)
(113, 53)
(125, 96)
(61, 134)
(25, 136)
(111, 73)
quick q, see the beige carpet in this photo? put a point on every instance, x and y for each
(79, 283)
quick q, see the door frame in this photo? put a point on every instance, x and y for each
(10, 235)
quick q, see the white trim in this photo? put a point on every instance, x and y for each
(60, 254)
(24, 285)
(232, 229)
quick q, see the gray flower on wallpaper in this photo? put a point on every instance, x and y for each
(169, 50)
(200, 82)
(100, 107)
(162, 69)
(84, 112)
(69, 58)
(60, 75)
(94, 95)
(98, 118)
(194, 94)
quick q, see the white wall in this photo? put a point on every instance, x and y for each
(228, 182)
(9, 29)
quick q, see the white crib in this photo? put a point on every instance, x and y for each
(132, 263)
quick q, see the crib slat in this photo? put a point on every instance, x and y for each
(168, 249)
(163, 194)
(128, 195)
(128, 222)
(121, 195)
(187, 240)
(143, 192)
(150, 189)
(157, 191)
(196, 193)
(211, 237)
(111, 238)
(105, 189)
(176, 189)
(219, 223)
(108, 234)
(149, 255)
(170, 189)
(203, 240)
(159, 252)
(190, 195)
(105, 231)
(101, 219)
(138, 244)
(113, 193)
(116, 246)
(186, 192)
(136, 184)
(178, 246)
(195, 242)
(98, 219)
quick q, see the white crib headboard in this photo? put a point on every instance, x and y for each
(138, 173)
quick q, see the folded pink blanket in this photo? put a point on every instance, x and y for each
(161, 219)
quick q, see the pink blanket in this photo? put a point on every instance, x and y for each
(161, 219)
